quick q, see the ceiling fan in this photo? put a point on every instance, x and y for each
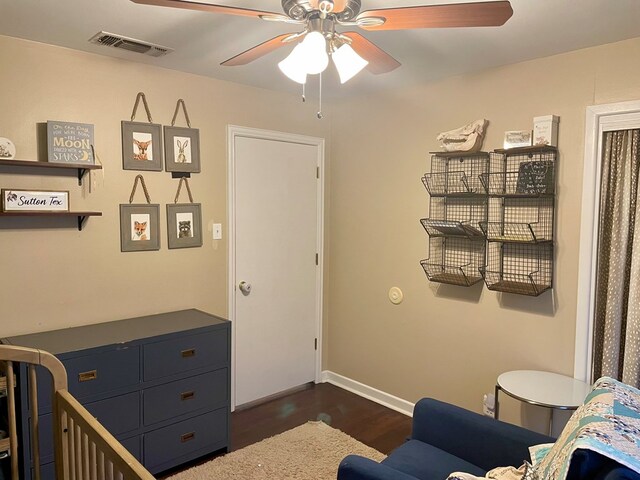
(350, 51)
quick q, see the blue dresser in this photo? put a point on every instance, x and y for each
(160, 384)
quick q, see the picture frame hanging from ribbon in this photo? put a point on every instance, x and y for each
(141, 142)
(139, 223)
(181, 145)
(184, 221)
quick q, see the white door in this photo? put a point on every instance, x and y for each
(275, 198)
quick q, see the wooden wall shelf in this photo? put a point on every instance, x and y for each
(82, 216)
(81, 169)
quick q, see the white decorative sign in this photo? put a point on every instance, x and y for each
(517, 138)
(34, 201)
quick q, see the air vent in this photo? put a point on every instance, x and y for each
(131, 44)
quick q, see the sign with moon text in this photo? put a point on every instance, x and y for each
(35, 201)
(70, 142)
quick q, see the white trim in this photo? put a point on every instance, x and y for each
(234, 131)
(373, 394)
(599, 119)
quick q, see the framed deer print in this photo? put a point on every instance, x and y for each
(182, 149)
(142, 146)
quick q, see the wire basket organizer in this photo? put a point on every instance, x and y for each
(519, 268)
(456, 216)
(521, 172)
(456, 173)
(519, 219)
(455, 261)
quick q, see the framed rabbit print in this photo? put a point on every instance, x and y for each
(184, 225)
(182, 149)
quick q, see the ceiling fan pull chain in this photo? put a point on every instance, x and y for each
(319, 114)
(304, 98)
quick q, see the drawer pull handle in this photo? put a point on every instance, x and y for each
(191, 352)
(185, 437)
(86, 376)
(187, 395)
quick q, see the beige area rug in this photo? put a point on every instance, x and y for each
(309, 452)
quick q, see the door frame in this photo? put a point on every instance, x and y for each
(233, 132)
(599, 119)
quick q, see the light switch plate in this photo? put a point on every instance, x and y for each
(217, 231)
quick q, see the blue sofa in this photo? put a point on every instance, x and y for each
(446, 439)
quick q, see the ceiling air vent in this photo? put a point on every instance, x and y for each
(131, 44)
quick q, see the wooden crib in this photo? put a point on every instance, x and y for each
(84, 449)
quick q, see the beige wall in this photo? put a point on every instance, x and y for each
(52, 275)
(444, 341)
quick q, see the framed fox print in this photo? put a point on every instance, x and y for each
(142, 146)
(139, 227)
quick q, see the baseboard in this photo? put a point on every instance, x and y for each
(370, 393)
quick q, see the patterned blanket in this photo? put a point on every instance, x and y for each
(608, 422)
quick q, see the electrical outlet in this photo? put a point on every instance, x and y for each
(217, 231)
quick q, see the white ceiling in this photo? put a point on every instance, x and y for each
(201, 40)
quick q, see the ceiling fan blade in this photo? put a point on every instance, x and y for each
(205, 7)
(379, 60)
(482, 14)
(258, 51)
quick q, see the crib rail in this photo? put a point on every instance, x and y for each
(84, 449)
(88, 450)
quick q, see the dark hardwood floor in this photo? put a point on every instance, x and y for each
(372, 424)
(366, 421)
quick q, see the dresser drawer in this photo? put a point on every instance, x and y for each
(181, 439)
(102, 372)
(171, 400)
(117, 414)
(133, 446)
(186, 353)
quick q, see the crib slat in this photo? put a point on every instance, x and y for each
(35, 428)
(71, 427)
(93, 475)
(78, 443)
(13, 434)
(101, 467)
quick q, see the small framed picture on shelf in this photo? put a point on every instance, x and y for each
(184, 225)
(139, 227)
(182, 149)
(517, 138)
(35, 200)
(70, 143)
(141, 146)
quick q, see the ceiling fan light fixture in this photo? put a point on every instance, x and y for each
(294, 66)
(314, 48)
(348, 62)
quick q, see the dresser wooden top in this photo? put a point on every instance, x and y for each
(119, 331)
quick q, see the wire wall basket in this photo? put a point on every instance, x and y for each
(472, 165)
(513, 219)
(519, 268)
(455, 261)
(521, 172)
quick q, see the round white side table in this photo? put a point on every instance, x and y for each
(545, 389)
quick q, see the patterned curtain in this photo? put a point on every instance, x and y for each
(617, 318)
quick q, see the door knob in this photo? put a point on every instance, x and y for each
(245, 288)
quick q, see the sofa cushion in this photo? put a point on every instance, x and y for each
(426, 462)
